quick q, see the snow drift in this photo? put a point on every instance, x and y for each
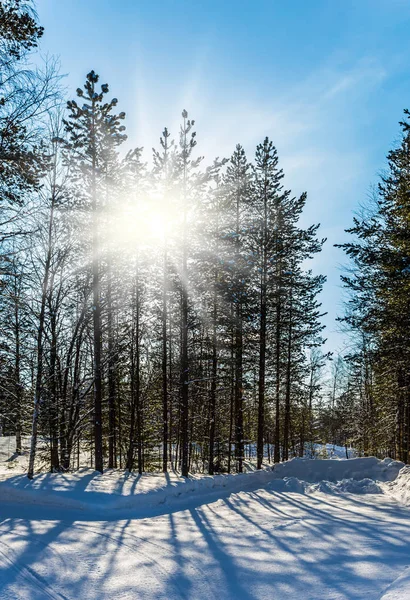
(115, 490)
(399, 488)
(334, 470)
(353, 476)
(345, 486)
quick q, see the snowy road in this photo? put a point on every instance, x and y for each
(261, 544)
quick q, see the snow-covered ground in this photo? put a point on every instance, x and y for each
(308, 530)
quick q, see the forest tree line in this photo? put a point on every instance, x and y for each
(377, 310)
(157, 311)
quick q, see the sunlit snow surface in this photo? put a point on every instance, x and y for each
(284, 536)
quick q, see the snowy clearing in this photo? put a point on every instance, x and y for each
(310, 529)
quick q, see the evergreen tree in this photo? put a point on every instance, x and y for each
(94, 130)
(378, 310)
(237, 185)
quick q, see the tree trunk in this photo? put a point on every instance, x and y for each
(276, 452)
(112, 375)
(184, 327)
(40, 348)
(286, 424)
(54, 421)
(17, 359)
(214, 371)
(164, 363)
(97, 332)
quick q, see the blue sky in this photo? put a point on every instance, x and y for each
(326, 80)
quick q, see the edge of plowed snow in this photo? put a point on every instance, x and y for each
(115, 490)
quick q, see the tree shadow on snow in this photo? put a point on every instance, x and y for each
(249, 545)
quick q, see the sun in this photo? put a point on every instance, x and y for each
(141, 223)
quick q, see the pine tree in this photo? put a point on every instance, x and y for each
(377, 312)
(237, 185)
(93, 130)
(165, 165)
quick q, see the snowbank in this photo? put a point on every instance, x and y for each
(345, 486)
(116, 490)
(335, 470)
(332, 476)
(399, 488)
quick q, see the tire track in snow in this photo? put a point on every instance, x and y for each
(29, 574)
(168, 552)
(48, 548)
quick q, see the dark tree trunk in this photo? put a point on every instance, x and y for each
(18, 390)
(239, 443)
(40, 349)
(54, 422)
(286, 423)
(184, 324)
(97, 331)
(136, 402)
(164, 364)
(276, 452)
(262, 334)
(112, 376)
(232, 400)
(214, 371)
